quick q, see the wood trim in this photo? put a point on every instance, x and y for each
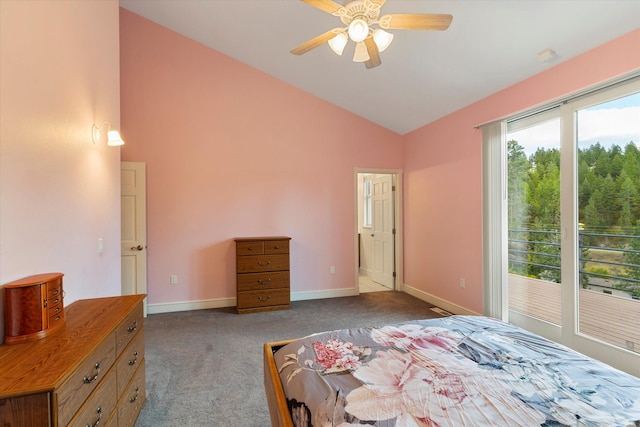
(278, 408)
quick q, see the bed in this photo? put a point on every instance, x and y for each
(451, 371)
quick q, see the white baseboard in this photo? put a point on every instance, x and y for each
(333, 293)
(170, 307)
(439, 302)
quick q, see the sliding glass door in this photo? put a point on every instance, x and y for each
(607, 289)
(570, 232)
(533, 217)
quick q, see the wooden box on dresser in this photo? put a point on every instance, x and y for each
(89, 372)
(262, 274)
(34, 307)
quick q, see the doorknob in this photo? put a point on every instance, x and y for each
(137, 248)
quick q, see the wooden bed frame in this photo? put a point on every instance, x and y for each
(278, 409)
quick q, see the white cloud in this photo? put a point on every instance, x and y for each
(606, 126)
(609, 126)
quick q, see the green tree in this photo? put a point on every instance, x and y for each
(608, 203)
(627, 199)
(517, 211)
(632, 257)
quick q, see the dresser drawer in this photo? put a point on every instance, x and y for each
(56, 317)
(131, 401)
(258, 263)
(84, 379)
(258, 281)
(55, 307)
(112, 421)
(129, 361)
(100, 406)
(249, 248)
(263, 298)
(55, 311)
(276, 247)
(129, 328)
(54, 289)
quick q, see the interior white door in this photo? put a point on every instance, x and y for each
(382, 230)
(134, 228)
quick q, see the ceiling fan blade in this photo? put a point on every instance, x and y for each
(315, 42)
(328, 6)
(416, 21)
(374, 54)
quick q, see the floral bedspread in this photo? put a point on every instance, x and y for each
(455, 371)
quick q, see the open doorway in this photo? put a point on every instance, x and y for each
(376, 230)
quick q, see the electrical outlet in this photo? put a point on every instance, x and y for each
(332, 269)
(173, 279)
(462, 283)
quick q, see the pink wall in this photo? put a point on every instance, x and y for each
(443, 174)
(232, 152)
(59, 193)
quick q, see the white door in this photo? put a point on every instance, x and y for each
(382, 224)
(134, 228)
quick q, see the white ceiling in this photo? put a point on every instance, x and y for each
(424, 75)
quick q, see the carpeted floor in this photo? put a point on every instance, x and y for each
(204, 367)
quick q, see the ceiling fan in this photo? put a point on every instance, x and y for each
(360, 18)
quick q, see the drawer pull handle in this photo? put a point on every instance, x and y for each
(88, 380)
(134, 327)
(264, 299)
(55, 301)
(134, 398)
(57, 318)
(97, 423)
(276, 247)
(264, 282)
(264, 264)
(133, 362)
(56, 292)
(250, 248)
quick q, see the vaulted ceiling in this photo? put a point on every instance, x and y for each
(424, 75)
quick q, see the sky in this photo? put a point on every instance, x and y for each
(614, 122)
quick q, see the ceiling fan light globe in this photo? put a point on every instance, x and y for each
(338, 43)
(361, 54)
(358, 30)
(382, 39)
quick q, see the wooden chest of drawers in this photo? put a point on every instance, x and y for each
(262, 274)
(90, 372)
(34, 307)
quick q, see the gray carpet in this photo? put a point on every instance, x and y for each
(204, 367)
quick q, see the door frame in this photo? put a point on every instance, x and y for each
(397, 218)
(141, 214)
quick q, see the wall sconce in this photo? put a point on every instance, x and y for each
(113, 137)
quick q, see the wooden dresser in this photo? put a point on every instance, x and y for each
(90, 372)
(262, 274)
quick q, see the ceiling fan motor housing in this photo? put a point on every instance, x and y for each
(364, 9)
